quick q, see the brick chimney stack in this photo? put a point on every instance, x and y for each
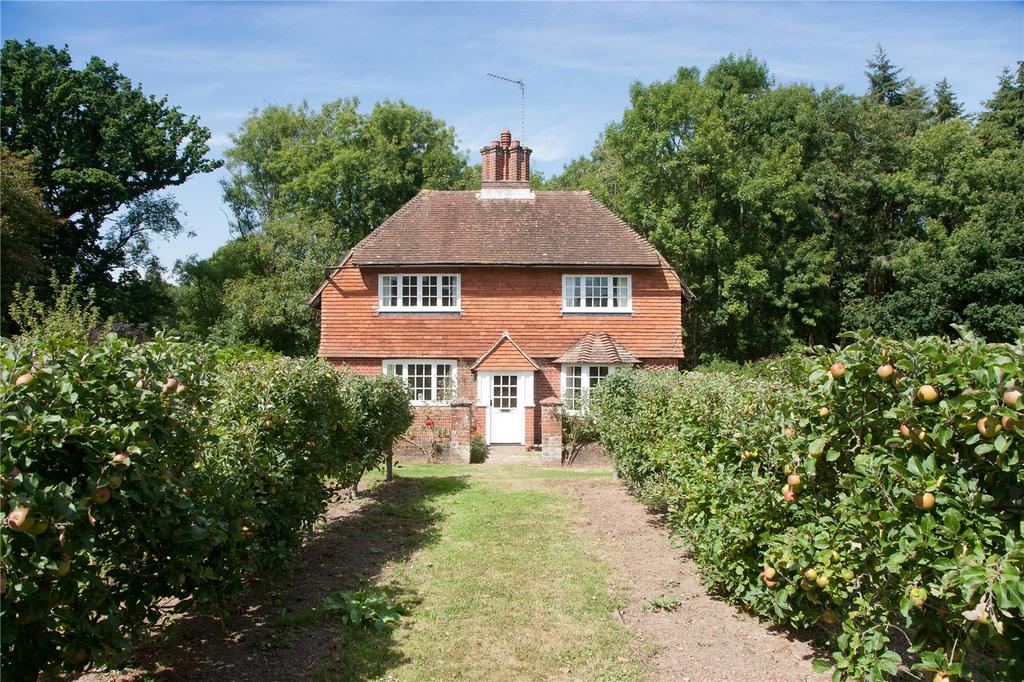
(506, 163)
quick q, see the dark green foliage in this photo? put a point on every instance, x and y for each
(891, 572)
(98, 146)
(477, 449)
(794, 213)
(27, 229)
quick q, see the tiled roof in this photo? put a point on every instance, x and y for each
(596, 348)
(550, 228)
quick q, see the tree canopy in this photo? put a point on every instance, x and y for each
(794, 213)
(305, 185)
(101, 151)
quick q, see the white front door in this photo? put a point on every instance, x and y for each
(506, 414)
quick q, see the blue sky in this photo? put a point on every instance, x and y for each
(220, 60)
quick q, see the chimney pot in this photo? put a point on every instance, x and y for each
(505, 160)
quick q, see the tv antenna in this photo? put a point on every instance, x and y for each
(522, 102)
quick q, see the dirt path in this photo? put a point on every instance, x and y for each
(437, 531)
(705, 639)
(359, 539)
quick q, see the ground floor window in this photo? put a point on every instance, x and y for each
(430, 382)
(578, 380)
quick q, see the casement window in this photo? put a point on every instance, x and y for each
(429, 382)
(597, 293)
(577, 382)
(420, 293)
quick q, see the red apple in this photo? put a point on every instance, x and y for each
(1008, 423)
(19, 519)
(988, 426)
(837, 370)
(120, 461)
(789, 496)
(823, 411)
(885, 372)
(181, 388)
(793, 480)
(170, 385)
(24, 379)
(1012, 397)
(101, 495)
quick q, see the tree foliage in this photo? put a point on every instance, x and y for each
(873, 491)
(305, 186)
(27, 227)
(101, 152)
(794, 212)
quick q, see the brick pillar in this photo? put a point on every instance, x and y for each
(461, 430)
(551, 431)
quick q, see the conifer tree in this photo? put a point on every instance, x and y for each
(946, 106)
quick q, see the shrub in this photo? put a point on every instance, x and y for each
(138, 472)
(848, 500)
(477, 449)
(578, 431)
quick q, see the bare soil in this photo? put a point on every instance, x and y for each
(704, 639)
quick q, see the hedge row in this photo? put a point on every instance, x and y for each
(134, 473)
(878, 496)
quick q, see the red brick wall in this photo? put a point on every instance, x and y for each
(526, 302)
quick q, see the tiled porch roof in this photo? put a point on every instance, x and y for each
(597, 348)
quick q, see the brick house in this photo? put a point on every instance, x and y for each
(494, 306)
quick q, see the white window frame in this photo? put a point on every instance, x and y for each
(569, 282)
(453, 370)
(585, 384)
(384, 305)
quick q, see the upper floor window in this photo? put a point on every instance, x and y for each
(429, 382)
(597, 293)
(421, 293)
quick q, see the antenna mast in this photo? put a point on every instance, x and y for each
(522, 102)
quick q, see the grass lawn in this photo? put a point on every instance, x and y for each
(501, 589)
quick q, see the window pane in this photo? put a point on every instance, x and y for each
(389, 291)
(409, 291)
(428, 287)
(596, 292)
(597, 375)
(420, 381)
(621, 292)
(449, 291)
(445, 384)
(572, 395)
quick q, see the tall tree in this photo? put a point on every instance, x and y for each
(99, 146)
(945, 105)
(884, 83)
(354, 168)
(1002, 122)
(794, 213)
(304, 186)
